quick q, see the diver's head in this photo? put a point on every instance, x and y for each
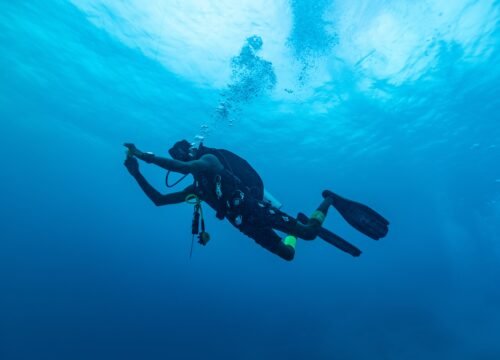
(182, 151)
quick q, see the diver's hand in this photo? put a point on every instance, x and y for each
(132, 150)
(132, 165)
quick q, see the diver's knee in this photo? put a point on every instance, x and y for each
(310, 230)
(309, 233)
(289, 255)
(288, 249)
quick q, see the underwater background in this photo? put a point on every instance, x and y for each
(391, 103)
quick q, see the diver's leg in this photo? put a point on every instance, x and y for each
(308, 231)
(272, 242)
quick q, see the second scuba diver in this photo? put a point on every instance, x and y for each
(230, 186)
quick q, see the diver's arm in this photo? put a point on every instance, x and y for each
(156, 197)
(161, 199)
(205, 163)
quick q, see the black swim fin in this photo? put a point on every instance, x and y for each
(332, 238)
(360, 216)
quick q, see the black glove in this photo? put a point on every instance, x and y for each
(133, 151)
(132, 165)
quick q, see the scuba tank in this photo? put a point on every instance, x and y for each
(268, 197)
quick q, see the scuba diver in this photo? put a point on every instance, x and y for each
(230, 186)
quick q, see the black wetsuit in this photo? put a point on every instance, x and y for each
(234, 200)
(255, 218)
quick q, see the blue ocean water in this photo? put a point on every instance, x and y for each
(391, 103)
